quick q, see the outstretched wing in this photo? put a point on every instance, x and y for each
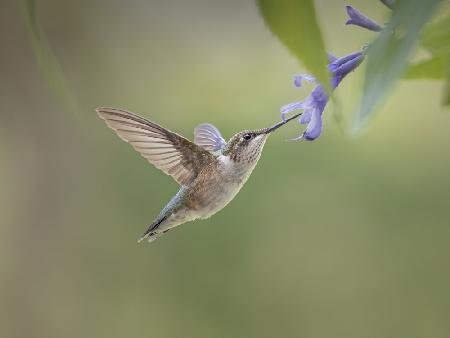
(166, 150)
(208, 137)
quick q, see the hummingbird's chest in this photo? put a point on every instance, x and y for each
(217, 185)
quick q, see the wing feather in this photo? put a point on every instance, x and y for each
(166, 150)
(208, 137)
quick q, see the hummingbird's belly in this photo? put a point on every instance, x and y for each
(219, 198)
(202, 200)
(212, 193)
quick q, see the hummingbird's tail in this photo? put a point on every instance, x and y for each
(151, 233)
(150, 236)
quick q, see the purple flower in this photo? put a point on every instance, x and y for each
(314, 105)
(339, 68)
(359, 19)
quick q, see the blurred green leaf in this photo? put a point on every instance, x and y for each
(436, 37)
(294, 22)
(447, 92)
(30, 6)
(47, 62)
(388, 55)
(434, 68)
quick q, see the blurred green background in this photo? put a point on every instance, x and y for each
(347, 236)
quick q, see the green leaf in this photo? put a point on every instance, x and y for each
(436, 37)
(388, 55)
(294, 22)
(434, 68)
(447, 92)
(47, 62)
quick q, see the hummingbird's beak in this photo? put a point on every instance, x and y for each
(279, 124)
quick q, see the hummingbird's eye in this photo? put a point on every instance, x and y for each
(247, 137)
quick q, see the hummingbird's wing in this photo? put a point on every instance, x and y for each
(208, 137)
(166, 150)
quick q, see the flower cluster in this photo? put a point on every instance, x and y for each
(314, 105)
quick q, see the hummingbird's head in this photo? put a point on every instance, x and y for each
(246, 146)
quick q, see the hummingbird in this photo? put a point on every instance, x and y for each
(210, 171)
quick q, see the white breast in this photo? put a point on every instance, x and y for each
(230, 180)
(235, 172)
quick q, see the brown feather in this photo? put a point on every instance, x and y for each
(174, 155)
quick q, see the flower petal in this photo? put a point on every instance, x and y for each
(336, 63)
(314, 105)
(342, 66)
(349, 66)
(313, 113)
(290, 107)
(359, 19)
(319, 97)
(314, 128)
(298, 79)
(306, 116)
(331, 57)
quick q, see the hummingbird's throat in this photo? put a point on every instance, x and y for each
(248, 154)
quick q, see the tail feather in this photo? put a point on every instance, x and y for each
(151, 236)
(151, 232)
